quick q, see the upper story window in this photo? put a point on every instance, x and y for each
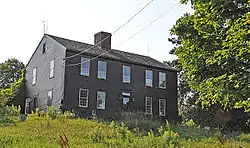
(44, 48)
(148, 105)
(101, 97)
(83, 97)
(52, 69)
(50, 97)
(162, 80)
(162, 107)
(34, 76)
(102, 69)
(126, 74)
(85, 64)
(149, 78)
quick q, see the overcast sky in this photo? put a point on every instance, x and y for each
(21, 26)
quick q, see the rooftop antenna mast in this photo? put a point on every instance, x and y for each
(45, 26)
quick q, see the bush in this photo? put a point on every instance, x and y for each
(9, 114)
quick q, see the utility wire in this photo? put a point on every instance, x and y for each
(123, 25)
(132, 36)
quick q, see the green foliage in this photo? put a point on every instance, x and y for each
(214, 51)
(9, 114)
(42, 132)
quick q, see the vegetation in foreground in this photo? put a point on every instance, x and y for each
(53, 130)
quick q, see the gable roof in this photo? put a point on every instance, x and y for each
(113, 54)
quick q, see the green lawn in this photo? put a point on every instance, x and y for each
(38, 132)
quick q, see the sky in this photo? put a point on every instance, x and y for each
(21, 27)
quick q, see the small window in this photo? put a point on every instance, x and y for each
(125, 98)
(162, 80)
(102, 69)
(162, 107)
(85, 63)
(44, 48)
(34, 76)
(52, 69)
(148, 105)
(101, 97)
(149, 78)
(35, 103)
(27, 105)
(50, 98)
(83, 97)
(126, 74)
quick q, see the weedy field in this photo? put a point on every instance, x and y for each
(44, 132)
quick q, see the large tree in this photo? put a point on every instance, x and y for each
(214, 51)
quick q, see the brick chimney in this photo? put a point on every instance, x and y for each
(104, 38)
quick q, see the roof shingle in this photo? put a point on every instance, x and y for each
(113, 54)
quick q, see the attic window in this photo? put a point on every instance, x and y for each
(44, 48)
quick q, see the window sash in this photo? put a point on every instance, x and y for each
(149, 78)
(52, 67)
(102, 69)
(85, 64)
(34, 76)
(162, 80)
(162, 107)
(101, 98)
(50, 98)
(148, 105)
(126, 74)
(83, 97)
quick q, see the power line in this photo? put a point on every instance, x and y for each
(133, 35)
(112, 32)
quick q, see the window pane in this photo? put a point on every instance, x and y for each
(83, 97)
(101, 97)
(126, 74)
(162, 80)
(148, 105)
(52, 66)
(102, 67)
(34, 76)
(162, 107)
(149, 78)
(85, 66)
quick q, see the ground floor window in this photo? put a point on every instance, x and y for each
(162, 107)
(27, 105)
(101, 97)
(83, 97)
(50, 97)
(148, 105)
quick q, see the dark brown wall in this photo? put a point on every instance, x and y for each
(113, 87)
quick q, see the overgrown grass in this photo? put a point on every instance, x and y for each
(44, 132)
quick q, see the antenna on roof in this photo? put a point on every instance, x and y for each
(148, 49)
(45, 26)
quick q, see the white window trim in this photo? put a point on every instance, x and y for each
(105, 72)
(151, 106)
(87, 98)
(52, 69)
(88, 61)
(123, 76)
(165, 80)
(164, 113)
(34, 76)
(27, 101)
(146, 71)
(98, 100)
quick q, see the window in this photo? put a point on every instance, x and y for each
(35, 103)
(83, 97)
(34, 76)
(102, 68)
(125, 98)
(162, 107)
(27, 105)
(52, 67)
(162, 80)
(101, 97)
(148, 105)
(149, 78)
(126, 74)
(44, 48)
(85, 62)
(50, 98)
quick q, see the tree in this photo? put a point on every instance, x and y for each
(10, 72)
(213, 48)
